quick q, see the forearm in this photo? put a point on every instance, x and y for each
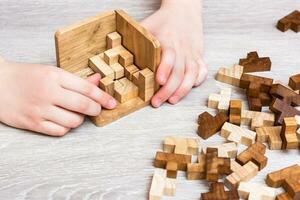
(182, 4)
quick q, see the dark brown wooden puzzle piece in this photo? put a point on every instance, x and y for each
(255, 84)
(282, 110)
(256, 103)
(294, 82)
(285, 94)
(209, 125)
(217, 192)
(216, 166)
(253, 63)
(291, 21)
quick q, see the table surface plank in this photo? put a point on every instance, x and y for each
(115, 162)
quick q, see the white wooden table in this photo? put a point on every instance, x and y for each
(115, 162)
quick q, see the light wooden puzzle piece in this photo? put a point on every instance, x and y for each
(130, 70)
(235, 110)
(197, 171)
(270, 135)
(113, 40)
(226, 150)
(240, 173)
(118, 71)
(146, 84)
(111, 56)
(107, 84)
(180, 145)
(98, 65)
(161, 185)
(238, 134)
(231, 75)
(256, 119)
(220, 101)
(126, 92)
(288, 133)
(256, 191)
(126, 58)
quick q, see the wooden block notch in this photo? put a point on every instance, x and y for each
(282, 110)
(253, 63)
(294, 82)
(254, 153)
(240, 173)
(238, 134)
(288, 133)
(161, 185)
(291, 21)
(220, 101)
(209, 125)
(217, 192)
(256, 119)
(256, 191)
(231, 75)
(271, 135)
(180, 145)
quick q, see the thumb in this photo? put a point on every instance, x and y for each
(94, 79)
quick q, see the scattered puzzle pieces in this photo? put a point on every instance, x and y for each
(238, 134)
(254, 153)
(282, 110)
(271, 135)
(180, 145)
(231, 75)
(256, 119)
(240, 173)
(256, 191)
(161, 185)
(217, 192)
(220, 101)
(235, 110)
(288, 133)
(294, 82)
(253, 63)
(209, 125)
(291, 21)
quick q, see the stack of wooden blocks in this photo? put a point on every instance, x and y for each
(239, 126)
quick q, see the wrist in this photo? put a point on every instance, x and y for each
(182, 4)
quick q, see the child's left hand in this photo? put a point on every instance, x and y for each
(178, 27)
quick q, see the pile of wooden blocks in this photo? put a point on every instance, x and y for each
(249, 127)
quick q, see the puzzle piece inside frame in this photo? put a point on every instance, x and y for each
(237, 134)
(288, 178)
(270, 135)
(282, 110)
(256, 119)
(230, 75)
(161, 185)
(288, 133)
(220, 101)
(253, 63)
(181, 145)
(256, 191)
(291, 21)
(209, 125)
(217, 192)
(294, 82)
(255, 153)
(285, 94)
(240, 173)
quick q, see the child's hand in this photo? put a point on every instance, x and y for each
(178, 27)
(47, 99)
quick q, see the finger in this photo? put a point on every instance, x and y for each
(94, 79)
(77, 84)
(190, 76)
(166, 65)
(64, 117)
(172, 84)
(203, 71)
(51, 128)
(77, 103)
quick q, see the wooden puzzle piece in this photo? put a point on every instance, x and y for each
(172, 162)
(130, 70)
(111, 56)
(83, 73)
(220, 101)
(292, 189)
(276, 178)
(231, 75)
(240, 173)
(209, 125)
(216, 166)
(256, 191)
(253, 63)
(270, 135)
(126, 92)
(256, 103)
(113, 40)
(254, 153)
(288, 133)
(285, 94)
(161, 185)
(146, 84)
(235, 110)
(226, 150)
(256, 119)
(107, 84)
(217, 192)
(255, 84)
(282, 110)
(98, 65)
(118, 71)
(180, 145)
(291, 21)
(197, 171)
(126, 58)
(294, 82)
(238, 134)
(135, 78)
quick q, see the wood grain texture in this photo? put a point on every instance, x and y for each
(85, 164)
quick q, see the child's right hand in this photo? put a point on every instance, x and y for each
(46, 99)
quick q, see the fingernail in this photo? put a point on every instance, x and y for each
(156, 102)
(174, 99)
(112, 103)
